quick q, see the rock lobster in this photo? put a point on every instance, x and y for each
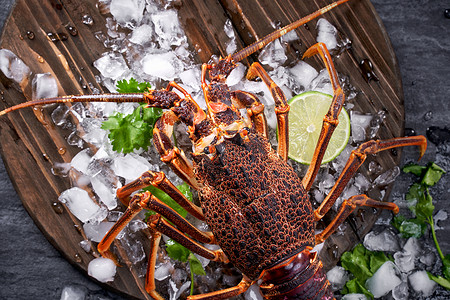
(257, 207)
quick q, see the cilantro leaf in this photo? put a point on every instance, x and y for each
(432, 175)
(133, 131)
(446, 266)
(129, 132)
(440, 280)
(177, 251)
(183, 188)
(354, 286)
(196, 265)
(409, 227)
(132, 86)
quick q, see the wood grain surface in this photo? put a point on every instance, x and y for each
(31, 144)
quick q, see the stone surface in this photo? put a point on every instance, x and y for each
(31, 268)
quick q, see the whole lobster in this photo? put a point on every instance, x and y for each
(257, 207)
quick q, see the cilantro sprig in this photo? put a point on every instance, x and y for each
(132, 131)
(363, 263)
(421, 204)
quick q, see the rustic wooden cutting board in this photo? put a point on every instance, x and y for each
(31, 144)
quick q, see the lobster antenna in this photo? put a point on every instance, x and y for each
(79, 98)
(259, 44)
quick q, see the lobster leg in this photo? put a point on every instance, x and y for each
(330, 121)
(225, 293)
(281, 106)
(255, 109)
(356, 159)
(150, 286)
(147, 201)
(347, 208)
(160, 181)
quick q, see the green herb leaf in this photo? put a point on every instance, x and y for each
(133, 131)
(357, 263)
(132, 86)
(432, 174)
(196, 265)
(414, 169)
(446, 266)
(440, 280)
(409, 227)
(183, 188)
(177, 251)
(355, 287)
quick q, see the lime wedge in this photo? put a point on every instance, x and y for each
(305, 123)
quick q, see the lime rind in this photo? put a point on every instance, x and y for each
(306, 115)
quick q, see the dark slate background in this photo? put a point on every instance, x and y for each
(420, 33)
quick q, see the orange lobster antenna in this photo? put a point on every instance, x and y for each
(259, 44)
(79, 98)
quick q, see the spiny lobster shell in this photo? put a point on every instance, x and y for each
(255, 204)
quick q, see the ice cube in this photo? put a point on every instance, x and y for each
(441, 215)
(125, 11)
(236, 75)
(387, 177)
(12, 66)
(273, 54)
(162, 65)
(253, 293)
(129, 166)
(191, 78)
(421, 283)
(81, 161)
(326, 33)
(44, 86)
(303, 73)
(112, 65)
(359, 124)
(163, 270)
(96, 232)
(337, 276)
(104, 192)
(168, 28)
(142, 35)
(412, 246)
(383, 280)
(102, 269)
(404, 261)
(321, 83)
(80, 204)
(401, 291)
(383, 241)
(74, 292)
(93, 132)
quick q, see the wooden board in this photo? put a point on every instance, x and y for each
(31, 144)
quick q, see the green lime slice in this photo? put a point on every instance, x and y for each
(305, 122)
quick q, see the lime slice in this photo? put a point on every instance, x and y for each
(305, 123)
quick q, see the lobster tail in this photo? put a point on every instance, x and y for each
(299, 277)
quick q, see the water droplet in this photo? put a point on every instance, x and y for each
(78, 258)
(367, 70)
(62, 36)
(58, 208)
(45, 156)
(52, 36)
(447, 13)
(30, 35)
(428, 116)
(72, 30)
(333, 251)
(306, 26)
(62, 150)
(87, 19)
(78, 228)
(394, 152)
(40, 59)
(410, 132)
